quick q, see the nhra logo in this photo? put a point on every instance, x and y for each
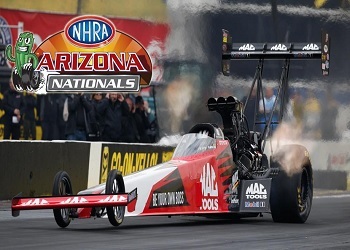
(90, 31)
(89, 55)
(247, 47)
(209, 188)
(311, 46)
(280, 47)
(256, 191)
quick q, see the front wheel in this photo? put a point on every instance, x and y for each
(115, 185)
(62, 186)
(292, 189)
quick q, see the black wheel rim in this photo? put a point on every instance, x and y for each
(64, 188)
(304, 192)
(119, 210)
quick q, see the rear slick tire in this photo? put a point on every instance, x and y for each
(291, 195)
(115, 185)
(62, 186)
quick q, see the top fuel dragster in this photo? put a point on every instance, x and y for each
(213, 171)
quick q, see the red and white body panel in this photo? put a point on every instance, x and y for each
(195, 184)
(196, 181)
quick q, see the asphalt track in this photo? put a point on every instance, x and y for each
(328, 227)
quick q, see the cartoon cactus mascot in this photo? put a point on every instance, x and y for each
(25, 61)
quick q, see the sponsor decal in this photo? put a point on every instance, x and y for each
(209, 183)
(261, 204)
(279, 47)
(247, 47)
(239, 55)
(325, 48)
(234, 203)
(223, 143)
(256, 191)
(303, 55)
(89, 55)
(255, 195)
(169, 192)
(311, 46)
(234, 183)
(325, 54)
(234, 200)
(74, 200)
(204, 148)
(233, 191)
(34, 202)
(326, 65)
(114, 198)
(168, 199)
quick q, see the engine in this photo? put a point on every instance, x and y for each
(245, 144)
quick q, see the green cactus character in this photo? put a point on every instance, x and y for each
(23, 57)
(24, 75)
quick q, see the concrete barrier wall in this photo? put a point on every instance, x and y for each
(30, 167)
(330, 179)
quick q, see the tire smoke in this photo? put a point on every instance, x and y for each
(286, 148)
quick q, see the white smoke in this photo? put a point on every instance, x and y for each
(291, 158)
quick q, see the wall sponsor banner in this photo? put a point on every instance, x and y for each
(129, 158)
(338, 156)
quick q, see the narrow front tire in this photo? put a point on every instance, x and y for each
(62, 186)
(115, 185)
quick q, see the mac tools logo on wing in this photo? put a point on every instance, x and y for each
(210, 199)
(89, 55)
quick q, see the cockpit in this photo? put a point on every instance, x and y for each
(194, 143)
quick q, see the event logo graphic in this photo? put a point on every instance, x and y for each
(89, 55)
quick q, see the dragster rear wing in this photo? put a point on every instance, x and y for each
(275, 51)
(71, 201)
